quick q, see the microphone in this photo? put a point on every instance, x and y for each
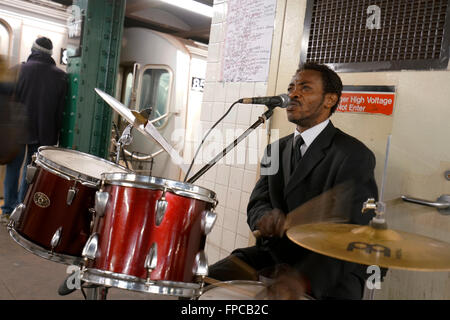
(281, 101)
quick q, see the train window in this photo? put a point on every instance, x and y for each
(4, 40)
(154, 94)
(364, 35)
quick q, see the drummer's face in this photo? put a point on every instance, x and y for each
(309, 105)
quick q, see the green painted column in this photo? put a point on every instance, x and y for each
(87, 118)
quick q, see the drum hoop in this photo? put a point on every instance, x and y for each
(42, 252)
(232, 282)
(123, 281)
(149, 182)
(49, 164)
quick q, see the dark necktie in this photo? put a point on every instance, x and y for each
(297, 154)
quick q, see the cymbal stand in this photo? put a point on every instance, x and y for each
(379, 221)
(266, 115)
(124, 140)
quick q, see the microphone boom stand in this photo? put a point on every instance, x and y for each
(232, 145)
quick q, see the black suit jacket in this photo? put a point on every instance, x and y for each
(333, 160)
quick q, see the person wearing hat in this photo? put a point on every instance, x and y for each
(41, 88)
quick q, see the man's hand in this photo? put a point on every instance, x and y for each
(272, 223)
(287, 285)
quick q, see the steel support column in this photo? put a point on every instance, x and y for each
(87, 119)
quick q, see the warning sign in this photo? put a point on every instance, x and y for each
(367, 99)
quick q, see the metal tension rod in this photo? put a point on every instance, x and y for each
(232, 145)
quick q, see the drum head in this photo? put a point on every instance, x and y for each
(233, 290)
(77, 164)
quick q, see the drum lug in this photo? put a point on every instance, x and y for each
(71, 195)
(101, 199)
(208, 220)
(151, 261)
(31, 172)
(201, 265)
(91, 246)
(17, 212)
(56, 239)
(161, 208)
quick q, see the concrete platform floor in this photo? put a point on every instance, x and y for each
(25, 276)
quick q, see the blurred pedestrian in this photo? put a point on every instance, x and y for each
(41, 88)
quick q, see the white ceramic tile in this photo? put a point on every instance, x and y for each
(215, 34)
(260, 89)
(224, 253)
(251, 161)
(219, 93)
(230, 220)
(242, 227)
(221, 192)
(233, 199)
(210, 175)
(236, 177)
(220, 211)
(249, 181)
(212, 73)
(228, 240)
(232, 92)
(219, 15)
(240, 155)
(245, 196)
(208, 92)
(215, 236)
(205, 114)
(241, 241)
(217, 111)
(223, 175)
(213, 52)
(232, 116)
(247, 89)
(244, 114)
(212, 253)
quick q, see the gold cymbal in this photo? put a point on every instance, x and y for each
(366, 245)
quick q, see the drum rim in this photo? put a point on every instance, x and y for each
(124, 281)
(41, 159)
(212, 286)
(42, 252)
(150, 182)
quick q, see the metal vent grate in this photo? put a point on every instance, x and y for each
(411, 34)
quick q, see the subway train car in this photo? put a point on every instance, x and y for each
(164, 75)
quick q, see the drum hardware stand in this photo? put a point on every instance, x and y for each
(262, 119)
(124, 140)
(379, 221)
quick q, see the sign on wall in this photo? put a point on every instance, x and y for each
(367, 99)
(248, 40)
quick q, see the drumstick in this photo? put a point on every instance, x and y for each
(247, 268)
(231, 287)
(330, 206)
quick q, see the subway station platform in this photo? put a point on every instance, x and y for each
(25, 276)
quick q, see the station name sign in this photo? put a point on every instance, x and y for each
(367, 99)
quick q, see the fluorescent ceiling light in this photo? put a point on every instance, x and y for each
(193, 6)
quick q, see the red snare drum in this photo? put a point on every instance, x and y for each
(54, 220)
(150, 235)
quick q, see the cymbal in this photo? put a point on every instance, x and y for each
(367, 245)
(144, 126)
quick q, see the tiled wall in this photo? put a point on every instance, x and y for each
(232, 181)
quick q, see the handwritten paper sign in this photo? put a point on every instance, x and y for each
(367, 99)
(248, 40)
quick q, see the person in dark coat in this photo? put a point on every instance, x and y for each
(313, 161)
(41, 88)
